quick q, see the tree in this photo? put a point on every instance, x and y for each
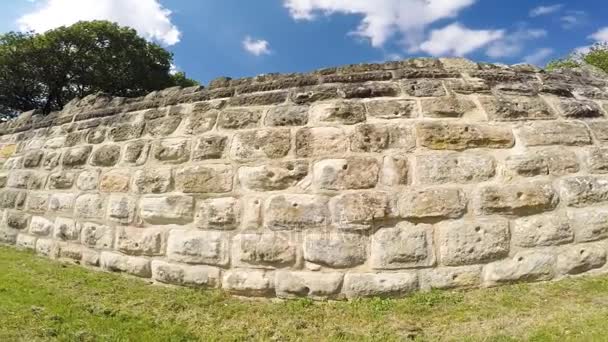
(596, 56)
(46, 71)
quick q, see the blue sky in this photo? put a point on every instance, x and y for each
(236, 38)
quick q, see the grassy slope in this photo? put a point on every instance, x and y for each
(42, 300)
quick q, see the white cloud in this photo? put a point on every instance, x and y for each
(148, 17)
(256, 47)
(513, 43)
(601, 35)
(384, 19)
(573, 19)
(539, 56)
(545, 10)
(458, 40)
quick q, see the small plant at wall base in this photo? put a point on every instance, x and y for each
(46, 71)
(596, 56)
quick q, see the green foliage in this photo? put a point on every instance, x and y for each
(48, 70)
(596, 56)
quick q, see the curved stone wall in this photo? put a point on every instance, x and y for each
(376, 179)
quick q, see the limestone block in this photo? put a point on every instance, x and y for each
(106, 156)
(115, 262)
(136, 153)
(55, 143)
(358, 285)
(273, 176)
(96, 136)
(358, 211)
(239, 118)
(391, 109)
(17, 220)
(445, 278)
(26, 242)
(542, 230)
(432, 203)
(41, 226)
(314, 285)
(548, 161)
(66, 229)
(569, 133)
(597, 160)
(367, 90)
(523, 198)
(199, 247)
(210, 147)
(582, 191)
(88, 180)
(51, 160)
(121, 209)
(343, 174)
(513, 108)
(201, 120)
(320, 141)
(580, 258)
(97, 236)
(46, 247)
(89, 206)
(69, 251)
(377, 138)
(152, 181)
(287, 115)
(62, 202)
(450, 167)
(335, 250)
(12, 199)
(468, 242)
(589, 224)
(32, 159)
(261, 144)
(127, 131)
(8, 235)
(138, 241)
(342, 112)
(208, 178)
(579, 109)
(248, 282)
(163, 127)
(395, 171)
(405, 246)
(599, 129)
(524, 266)
(296, 212)
(253, 207)
(62, 180)
(447, 107)
(90, 257)
(23, 179)
(219, 214)
(165, 210)
(424, 88)
(439, 135)
(172, 150)
(264, 250)
(195, 276)
(76, 157)
(38, 203)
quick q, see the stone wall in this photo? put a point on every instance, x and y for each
(376, 179)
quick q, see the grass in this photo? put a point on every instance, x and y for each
(42, 300)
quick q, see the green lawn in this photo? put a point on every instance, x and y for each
(41, 300)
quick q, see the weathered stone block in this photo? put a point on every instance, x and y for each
(433, 203)
(599, 129)
(320, 141)
(66, 229)
(121, 209)
(62, 202)
(395, 171)
(377, 138)
(51, 160)
(138, 241)
(136, 153)
(424, 88)
(274, 176)
(167, 210)
(127, 131)
(41, 226)
(106, 156)
(405, 246)
(152, 181)
(12, 199)
(542, 230)
(199, 247)
(264, 250)
(524, 266)
(582, 191)
(580, 258)
(314, 285)
(512, 108)
(163, 127)
(343, 174)
(288, 115)
(549, 161)
(89, 206)
(115, 262)
(26, 242)
(447, 107)
(368, 90)
(296, 212)
(579, 109)
(201, 120)
(97, 236)
(46, 247)
(88, 180)
(524, 198)
(38, 203)
(17, 220)
(335, 250)
(589, 224)
(239, 118)
(460, 136)
(470, 242)
(343, 112)
(445, 278)
(62, 180)
(97, 135)
(208, 178)
(210, 147)
(8, 235)
(219, 214)
(32, 159)
(463, 168)
(195, 276)
(24, 179)
(358, 285)
(248, 282)
(569, 133)
(391, 109)
(76, 157)
(172, 151)
(116, 181)
(260, 144)
(358, 211)
(597, 160)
